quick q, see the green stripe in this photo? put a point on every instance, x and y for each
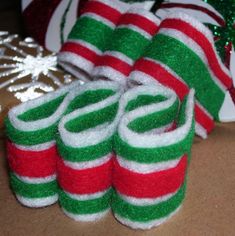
(91, 31)
(187, 64)
(32, 190)
(85, 153)
(87, 206)
(29, 138)
(129, 42)
(147, 213)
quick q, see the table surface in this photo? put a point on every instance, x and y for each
(209, 207)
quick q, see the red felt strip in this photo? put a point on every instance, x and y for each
(139, 21)
(151, 185)
(35, 164)
(86, 181)
(103, 10)
(204, 43)
(217, 18)
(80, 50)
(115, 63)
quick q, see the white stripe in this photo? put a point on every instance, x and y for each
(86, 217)
(86, 197)
(88, 164)
(147, 201)
(148, 225)
(120, 56)
(39, 147)
(115, 4)
(136, 29)
(140, 168)
(204, 110)
(160, 130)
(99, 18)
(31, 180)
(190, 43)
(200, 130)
(37, 202)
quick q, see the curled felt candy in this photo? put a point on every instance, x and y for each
(182, 56)
(85, 147)
(128, 41)
(31, 128)
(153, 146)
(89, 36)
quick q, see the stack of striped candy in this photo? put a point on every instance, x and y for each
(85, 147)
(152, 147)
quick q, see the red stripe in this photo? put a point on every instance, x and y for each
(115, 63)
(86, 181)
(217, 18)
(80, 50)
(103, 10)
(33, 164)
(204, 43)
(149, 185)
(164, 77)
(139, 21)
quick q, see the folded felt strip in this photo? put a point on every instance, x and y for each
(31, 128)
(152, 146)
(89, 36)
(85, 147)
(182, 56)
(134, 32)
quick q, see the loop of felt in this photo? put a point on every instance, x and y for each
(37, 164)
(89, 206)
(28, 190)
(150, 185)
(86, 181)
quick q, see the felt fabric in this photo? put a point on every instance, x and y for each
(184, 40)
(31, 129)
(89, 36)
(130, 38)
(85, 146)
(150, 167)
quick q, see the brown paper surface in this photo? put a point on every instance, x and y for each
(209, 207)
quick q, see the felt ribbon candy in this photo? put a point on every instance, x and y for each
(128, 41)
(152, 146)
(182, 56)
(31, 129)
(85, 148)
(89, 36)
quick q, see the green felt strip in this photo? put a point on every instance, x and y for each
(91, 31)
(174, 54)
(33, 190)
(147, 213)
(29, 138)
(86, 206)
(155, 120)
(128, 42)
(85, 153)
(152, 155)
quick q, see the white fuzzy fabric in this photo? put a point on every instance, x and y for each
(160, 140)
(39, 147)
(120, 56)
(86, 217)
(141, 168)
(94, 135)
(31, 180)
(148, 225)
(37, 202)
(46, 122)
(200, 130)
(88, 164)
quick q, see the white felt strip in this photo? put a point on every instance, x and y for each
(140, 168)
(88, 164)
(94, 135)
(160, 140)
(86, 217)
(30, 180)
(120, 56)
(37, 202)
(200, 130)
(46, 122)
(39, 147)
(85, 197)
(148, 225)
